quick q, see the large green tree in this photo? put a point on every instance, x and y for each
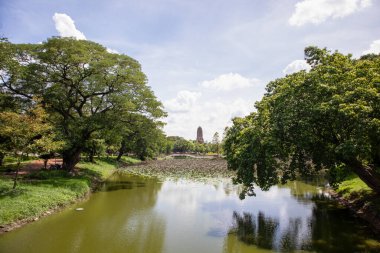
(142, 136)
(84, 88)
(328, 118)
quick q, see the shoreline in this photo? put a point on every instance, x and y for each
(23, 222)
(160, 169)
(93, 184)
(363, 211)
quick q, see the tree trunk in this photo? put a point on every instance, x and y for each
(365, 173)
(71, 158)
(2, 155)
(91, 157)
(16, 176)
(121, 150)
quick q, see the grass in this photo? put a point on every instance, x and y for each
(44, 190)
(359, 195)
(29, 201)
(102, 167)
(130, 160)
(353, 185)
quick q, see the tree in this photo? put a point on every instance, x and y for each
(181, 145)
(142, 136)
(328, 118)
(216, 143)
(199, 148)
(167, 146)
(93, 147)
(83, 88)
(28, 132)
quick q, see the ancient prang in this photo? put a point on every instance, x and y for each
(200, 135)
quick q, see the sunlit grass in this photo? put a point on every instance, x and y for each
(30, 200)
(48, 189)
(130, 160)
(353, 185)
(103, 166)
(359, 194)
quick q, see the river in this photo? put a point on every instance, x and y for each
(145, 215)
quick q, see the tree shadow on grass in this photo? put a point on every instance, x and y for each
(6, 191)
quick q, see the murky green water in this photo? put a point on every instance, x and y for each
(136, 215)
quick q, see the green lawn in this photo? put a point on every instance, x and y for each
(353, 185)
(45, 190)
(359, 194)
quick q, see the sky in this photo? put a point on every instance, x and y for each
(207, 61)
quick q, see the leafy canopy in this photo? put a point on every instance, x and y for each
(83, 88)
(326, 118)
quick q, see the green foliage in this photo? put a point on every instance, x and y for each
(326, 118)
(215, 144)
(182, 145)
(178, 144)
(143, 137)
(27, 132)
(86, 91)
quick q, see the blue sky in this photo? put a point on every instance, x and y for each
(207, 61)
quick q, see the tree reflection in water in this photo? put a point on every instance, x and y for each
(265, 232)
(251, 231)
(328, 229)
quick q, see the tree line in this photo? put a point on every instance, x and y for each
(325, 119)
(73, 97)
(177, 144)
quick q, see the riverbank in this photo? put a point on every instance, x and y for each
(361, 200)
(43, 192)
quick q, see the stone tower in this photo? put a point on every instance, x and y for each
(200, 135)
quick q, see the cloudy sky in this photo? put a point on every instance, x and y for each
(206, 60)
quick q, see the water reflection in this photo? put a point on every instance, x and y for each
(330, 228)
(121, 218)
(134, 214)
(113, 184)
(250, 230)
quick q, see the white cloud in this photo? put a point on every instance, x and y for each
(66, 27)
(183, 102)
(212, 114)
(374, 48)
(318, 11)
(212, 111)
(230, 81)
(296, 66)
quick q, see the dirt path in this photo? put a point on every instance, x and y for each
(35, 165)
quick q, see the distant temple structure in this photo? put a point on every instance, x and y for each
(200, 135)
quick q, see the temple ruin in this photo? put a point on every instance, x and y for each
(200, 135)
